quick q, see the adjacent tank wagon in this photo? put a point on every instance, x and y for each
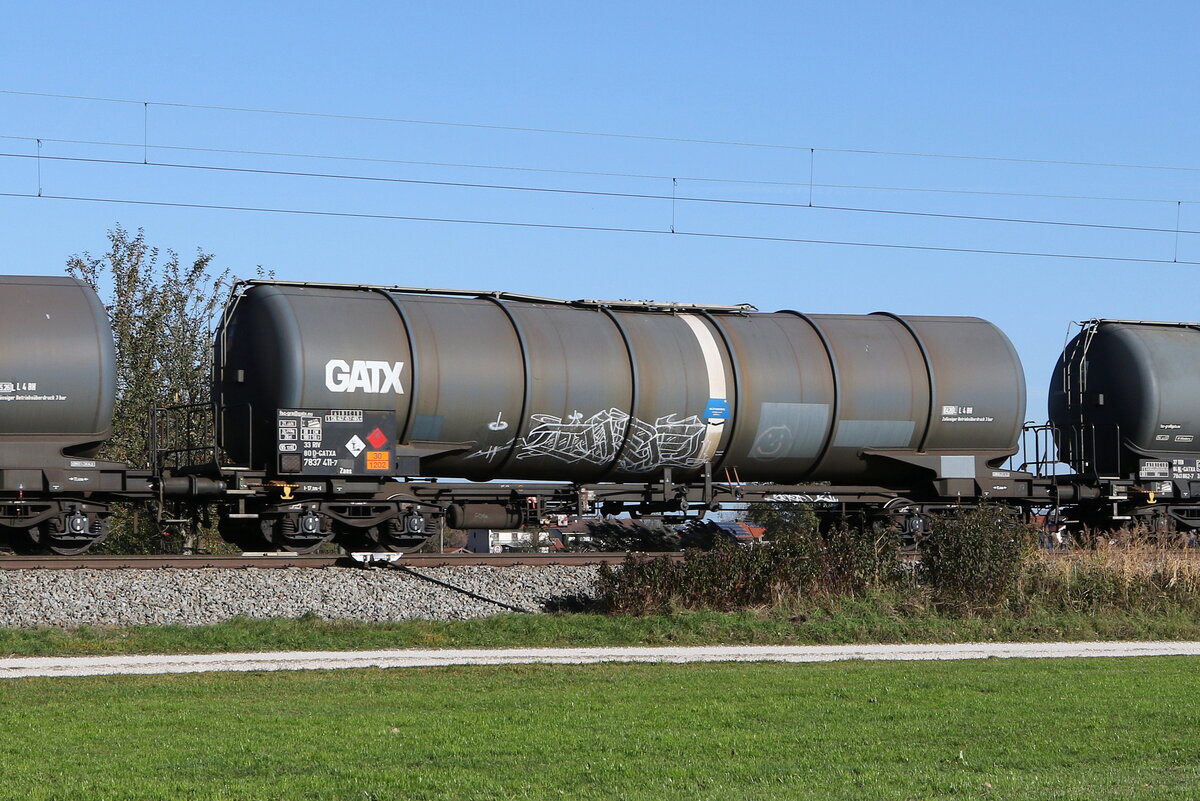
(57, 385)
(1125, 407)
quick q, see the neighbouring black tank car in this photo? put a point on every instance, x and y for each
(1125, 411)
(371, 415)
(57, 384)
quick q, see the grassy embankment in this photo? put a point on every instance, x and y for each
(1104, 596)
(872, 619)
(1093, 728)
(978, 581)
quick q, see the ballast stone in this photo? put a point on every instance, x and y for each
(129, 597)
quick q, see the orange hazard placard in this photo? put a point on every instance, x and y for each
(379, 460)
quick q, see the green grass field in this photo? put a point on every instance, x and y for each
(1047, 729)
(850, 621)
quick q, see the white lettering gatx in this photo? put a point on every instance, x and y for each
(363, 376)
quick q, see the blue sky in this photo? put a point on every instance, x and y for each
(1030, 82)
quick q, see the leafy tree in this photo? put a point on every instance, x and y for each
(162, 311)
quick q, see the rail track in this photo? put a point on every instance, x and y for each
(277, 560)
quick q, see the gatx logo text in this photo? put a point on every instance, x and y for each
(363, 376)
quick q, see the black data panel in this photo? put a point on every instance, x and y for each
(1187, 469)
(335, 442)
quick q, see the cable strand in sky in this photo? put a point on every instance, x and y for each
(596, 228)
(648, 176)
(599, 193)
(606, 134)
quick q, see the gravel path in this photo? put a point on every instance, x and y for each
(31, 598)
(316, 660)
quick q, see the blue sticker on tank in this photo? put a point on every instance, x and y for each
(717, 409)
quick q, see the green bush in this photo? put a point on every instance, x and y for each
(800, 562)
(976, 563)
(972, 561)
(726, 578)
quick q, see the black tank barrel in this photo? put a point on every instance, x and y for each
(588, 391)
(58, 373)
(1125, 391)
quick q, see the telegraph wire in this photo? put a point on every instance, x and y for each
(376, 160)
(597, 228)
(407, 121)
(604, 134)
(647, 176)
(994, 193)
(673, 198)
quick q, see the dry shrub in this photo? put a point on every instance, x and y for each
(1132, 571)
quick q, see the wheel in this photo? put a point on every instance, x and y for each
(72, 534)
(402, 534)
(1161, 529)
(298, 533)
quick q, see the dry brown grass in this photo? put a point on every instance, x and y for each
(1135, 570)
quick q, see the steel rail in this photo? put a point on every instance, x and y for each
(277, 560)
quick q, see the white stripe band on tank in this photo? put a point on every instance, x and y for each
(715, 366)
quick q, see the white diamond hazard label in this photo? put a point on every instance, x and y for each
(355, 446)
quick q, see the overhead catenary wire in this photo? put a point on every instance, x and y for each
(673, 198)
(598, 173)
(605, 134)
(598, 228)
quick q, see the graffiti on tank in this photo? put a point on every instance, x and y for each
(669, 441)
(594, 440)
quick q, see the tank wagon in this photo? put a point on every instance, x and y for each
(1125, 413)
(325, 394)
(370, 416)
(57, 384)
